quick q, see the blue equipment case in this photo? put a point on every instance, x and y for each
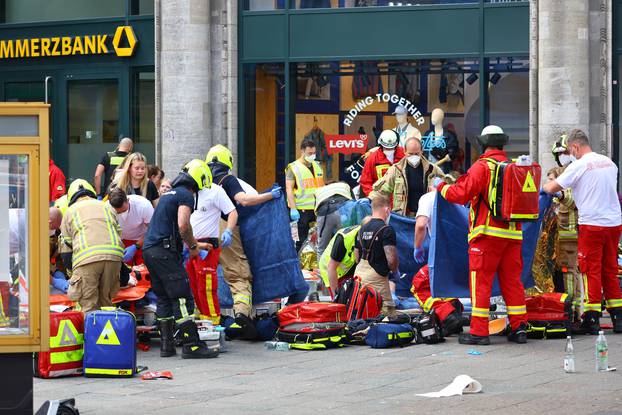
(109, 343)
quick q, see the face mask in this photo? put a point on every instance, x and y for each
(566, 159)
(310, 158)
(414, 160)
(390, 154)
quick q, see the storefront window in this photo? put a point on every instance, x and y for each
(14, 270)
(143, 114)
(323, 4)
(261, 5)
(26, 11)
(142, 6)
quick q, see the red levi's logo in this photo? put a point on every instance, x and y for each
(346, 143)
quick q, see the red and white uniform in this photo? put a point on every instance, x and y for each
(494, 246)
(593, 179)
(376, 165)
(421, 290)
(134, 223)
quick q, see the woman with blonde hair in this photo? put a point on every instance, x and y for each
(132, 178)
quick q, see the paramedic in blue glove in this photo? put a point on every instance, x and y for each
(303, 177)
(233, 260)
(169, 229)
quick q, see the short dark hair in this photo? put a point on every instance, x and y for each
(579, 137)
(153, 170)
(307, 142)
(117, 197)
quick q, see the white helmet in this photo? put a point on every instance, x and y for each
(493, 136)
(388, 139)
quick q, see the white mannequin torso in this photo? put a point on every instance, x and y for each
(407, 130)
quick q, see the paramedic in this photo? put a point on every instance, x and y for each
(494, 246)
(380, 159)
(593, 180)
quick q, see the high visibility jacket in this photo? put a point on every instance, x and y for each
(475, 187)
(57, 182)
(307, 182)
(349, 240)
(90, 231)
(376, 166)
(567, 213)
(330, 190)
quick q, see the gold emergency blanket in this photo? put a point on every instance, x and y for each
(544, 258)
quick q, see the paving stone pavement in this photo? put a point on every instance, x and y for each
(248, 379)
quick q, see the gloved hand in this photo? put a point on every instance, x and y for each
(100, 197)
(226, 238)
(294, 214)
(436, 181)
(60, 282)
(276, 192)
(419, 255)
(558, 195)
(203, 253)
(132, 281)
(129, 253)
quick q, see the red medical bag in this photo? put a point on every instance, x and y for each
(66, 347)
(312, 312)
(515, 191)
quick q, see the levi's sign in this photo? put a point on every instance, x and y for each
(97, 44)
(346, 143)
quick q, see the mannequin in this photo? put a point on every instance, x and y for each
(440, 145)
(404, 129)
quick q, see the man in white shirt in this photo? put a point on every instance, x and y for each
(593, 180)
(448, 310)
(134, 214)
(205, 220)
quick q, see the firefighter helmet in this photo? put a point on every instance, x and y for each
(492, 136)
(388, 139)
(220, 154)
(61, 204)
(560, 147)
(200, 173)
(79, 188)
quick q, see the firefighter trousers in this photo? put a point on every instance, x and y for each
(94, 285)
(421, 290)
(566, 259)
(237, 273)
(203, 277)
(598, 264)
(489, 255)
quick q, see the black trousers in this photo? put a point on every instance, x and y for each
(169, 282)
(306, 218)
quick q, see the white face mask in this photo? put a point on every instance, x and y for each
(566, 159)
(310, 158)
(390, 154)
(414, 160)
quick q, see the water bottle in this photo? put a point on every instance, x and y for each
(602, 353)
(276, 345)
(222, 338)
(569, 358)
(524, 160)
(294, 229)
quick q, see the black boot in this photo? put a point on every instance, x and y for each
(591, 322)
(468, 338)
(191, 345)
(167, 342)
(452, 324)
(519, 335)
(246, 326)
(616, 319)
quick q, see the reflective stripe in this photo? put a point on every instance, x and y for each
(116, 160)
(494, 231)
(381, 170)
(80, 230)
(241, 298)
(66, 357)
(117, 372)
(209, 296)
(562, 299)
(480, 312)
(183, 309)
(112, 233)
(593, 307)
(444, 190)
(516, 310)
(524, 216)
(473, 282)
(98, 249)
(307, 346)
(616, 302)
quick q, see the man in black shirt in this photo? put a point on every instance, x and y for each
(109, 163)
(377, 252)
(162, 252)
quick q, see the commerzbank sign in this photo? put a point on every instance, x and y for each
(96, 44)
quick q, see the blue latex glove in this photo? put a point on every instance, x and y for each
(226, 238)
(419, 255)
(129, 253)
(100, 197)
(60, 282)
(294, 214)
(203, 254)
(558, 195)
(436, 181)
(276, 192)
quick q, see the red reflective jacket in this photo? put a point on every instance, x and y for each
(376, 166)
(57, 182)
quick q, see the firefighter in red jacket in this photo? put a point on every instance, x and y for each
(57, 182)
(494, 246)
(379, 160)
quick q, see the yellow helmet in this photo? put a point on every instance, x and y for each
(61, 204)
(560, 147)
(79, 188)
(220, 154)
(200, 172)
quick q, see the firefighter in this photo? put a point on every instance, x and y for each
(91, 247)
(593, 180)
(337, 262)
(379, 160)
(567, 230)
(303, 177)
(235, 266)
(162, 252)
(494, 246)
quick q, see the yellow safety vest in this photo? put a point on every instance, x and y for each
(307, 183)
(330, 190)
(115, 160)
(349, 239)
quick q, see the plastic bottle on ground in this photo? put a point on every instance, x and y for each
(602, 353)
(569, 357)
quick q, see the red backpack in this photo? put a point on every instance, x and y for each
(361, 302)
(514, 191)
(66, 347)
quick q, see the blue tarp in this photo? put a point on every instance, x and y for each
(268, 245)
(405, 231)
(353, 211)
(448, 258)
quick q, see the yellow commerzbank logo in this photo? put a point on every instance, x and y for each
(70, 45)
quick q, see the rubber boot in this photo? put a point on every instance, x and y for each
(519, 335)
(616, 319)
(192, 347)
(246, 326)
(468, 338)
(452, 324)
(591, 322)
(167, 342)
